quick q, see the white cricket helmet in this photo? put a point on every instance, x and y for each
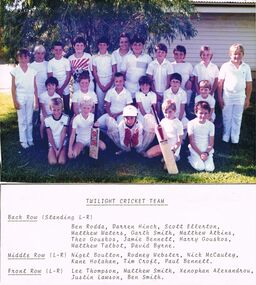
(130, 111)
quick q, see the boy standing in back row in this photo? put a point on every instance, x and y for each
(234, 92)
(104, 69)
(59, 67)
(119, 54)
(159, 71)
(135, 65)
(80, 61)
(185, 69)
(40, 65)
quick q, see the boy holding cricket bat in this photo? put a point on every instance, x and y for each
(81, 129)
(173, 129)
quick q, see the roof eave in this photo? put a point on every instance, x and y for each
(249, 9)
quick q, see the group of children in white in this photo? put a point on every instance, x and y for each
(128, 83)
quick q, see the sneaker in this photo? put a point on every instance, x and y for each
(24, 145)
(225, 139)
(177, 158)
(31, 143)
(119, 152)
(143, 153)
(234, 141)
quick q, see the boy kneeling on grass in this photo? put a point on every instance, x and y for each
(56, 128)
(81, 129)
(173, 129)
(201, 138)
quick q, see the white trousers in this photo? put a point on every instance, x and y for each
(25, 115)
(101, 95)
(132, 87)
(189, 93)
(105, 121)
(172, 142)
(148, 123)
(198, 164)
(112, 129)
(232, 120)
(110, 126)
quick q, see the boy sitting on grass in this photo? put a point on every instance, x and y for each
(173, 129)
(201, 138)
(56, 128)
(130, 130)
(81, 129)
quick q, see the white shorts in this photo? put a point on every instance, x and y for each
(64, 143)
(84, 142)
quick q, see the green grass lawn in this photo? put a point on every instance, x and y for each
(233, 164)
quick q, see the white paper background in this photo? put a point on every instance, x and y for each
(232, 207)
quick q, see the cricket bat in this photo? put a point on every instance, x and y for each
(165, 147)
(95, 138)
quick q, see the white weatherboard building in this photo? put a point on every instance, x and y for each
(222, 23)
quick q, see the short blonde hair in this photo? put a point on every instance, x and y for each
(168, 104)
(233, 48)
(204, 84)
(39, 48)
(87, 101)
(206, 48)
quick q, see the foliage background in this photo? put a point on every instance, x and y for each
(24, 23)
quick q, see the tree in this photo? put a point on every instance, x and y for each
(28, 22)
